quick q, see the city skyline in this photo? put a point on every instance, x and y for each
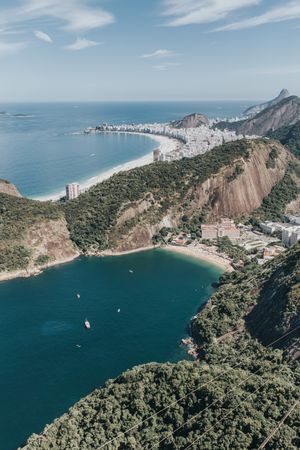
(85, 50)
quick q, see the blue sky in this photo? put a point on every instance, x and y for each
(77, 50)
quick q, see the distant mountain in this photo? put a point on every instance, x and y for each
(253, 110)
(194, 120)
(289, 136)
(285, 113)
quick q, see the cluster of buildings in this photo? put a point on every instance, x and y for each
(289, 232)
(225, 228)
(191, 141)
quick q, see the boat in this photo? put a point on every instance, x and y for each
(78, 295)
(87, 324)
(119, 310)
(130, 271)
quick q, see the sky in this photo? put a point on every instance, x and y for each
(120, 50)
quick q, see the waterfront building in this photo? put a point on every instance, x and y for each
(156, 154)
(72, 191)
(226, 228)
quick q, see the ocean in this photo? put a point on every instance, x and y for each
(49, 360)
(40, 152)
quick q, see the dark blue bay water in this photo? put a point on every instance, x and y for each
(38, 154)
(43, 370)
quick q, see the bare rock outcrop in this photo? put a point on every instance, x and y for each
(8, 188)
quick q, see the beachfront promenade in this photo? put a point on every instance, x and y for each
(190, 141)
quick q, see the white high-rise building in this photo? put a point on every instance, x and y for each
(72, 191)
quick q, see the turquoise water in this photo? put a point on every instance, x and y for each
(48, 359)
(40, 155)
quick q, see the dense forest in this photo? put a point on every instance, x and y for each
(232, 398)
(289, 136)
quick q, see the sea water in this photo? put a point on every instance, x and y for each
(139, 307)
(41, 148)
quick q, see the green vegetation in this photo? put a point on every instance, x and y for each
(236, 253)
(274, 206)
(239, 169)
(232, 398)
(17, 215)
(92, 217)
(289, 136)
(42, 260)
(271, 163)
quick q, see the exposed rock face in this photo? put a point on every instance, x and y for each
(49, 244)
(287, 112)
(191, 121)
(8, 188)
(253, 110)
(224, 196)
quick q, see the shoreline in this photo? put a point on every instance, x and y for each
(201, 254)
(166, 145)
(191, 252)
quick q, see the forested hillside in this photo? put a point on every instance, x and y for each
(289, 136)
(233, 398)
(125, 211)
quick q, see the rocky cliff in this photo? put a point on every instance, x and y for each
(126, 211)
(33, 236)
(253, 110)
(8, 188)
(285, 113)
(191, 121)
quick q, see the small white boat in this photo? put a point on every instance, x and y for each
(119, 310)
(87, 324)
(130, 271)
(78, 295)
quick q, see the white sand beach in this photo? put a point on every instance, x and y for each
(203, 253)
(166, 145)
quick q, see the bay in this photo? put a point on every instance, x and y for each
(40, 154)
(49, 360)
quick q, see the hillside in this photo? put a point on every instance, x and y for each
(284, 113)
(124, 212)
(253, 110)
(289, 136)
(33, 235)
(191, 121)
(234, 397)
(8, 188)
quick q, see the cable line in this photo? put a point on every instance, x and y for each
(267, 440)
(188, 394)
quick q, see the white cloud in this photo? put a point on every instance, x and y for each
(73, 15)
(81, 44)
(166, 66)
(8, 48)
(162, 53)
(43, 36)
(187, 12)
(288, 11)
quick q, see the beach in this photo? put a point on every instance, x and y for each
(166, 145)
(204, 253)
(195, 250)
